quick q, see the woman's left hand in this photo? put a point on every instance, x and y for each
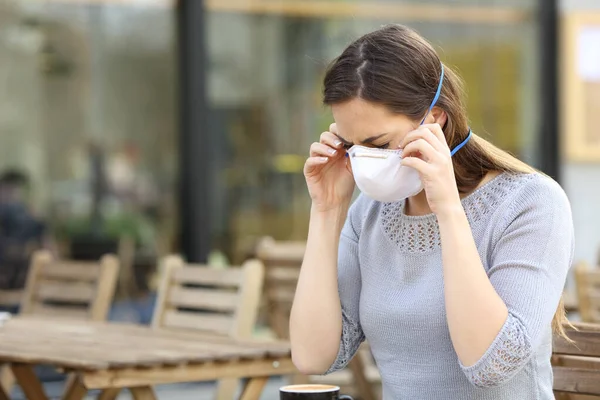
(425, 149)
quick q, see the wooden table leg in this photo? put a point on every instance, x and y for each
(226, 388)
(30, 384)
(254, 388)
(109, 394)
(143, 393)
(3, 394)
(75, 389)
(7, 379)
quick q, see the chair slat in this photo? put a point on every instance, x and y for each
(593, 277)
(87, 272)
(281, 294)
(587, 343)
(79, 292)
(271, 252)
(283, 274)
(594, 297)
(576, 380)
(216, 300)
(80, 313)
(220, 324)
(208, 276)
(577, 361)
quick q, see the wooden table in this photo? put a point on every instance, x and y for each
(115, 356)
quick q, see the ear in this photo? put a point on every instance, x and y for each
(439, 116)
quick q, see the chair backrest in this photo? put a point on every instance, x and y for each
(71, 289)
(576, 365)
(282, 260)
(201, 298)
(588, 292)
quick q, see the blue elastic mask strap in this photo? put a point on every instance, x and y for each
(437, 94)
(460, 146)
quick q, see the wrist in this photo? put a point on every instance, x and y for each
(332, 217)
(450, 212)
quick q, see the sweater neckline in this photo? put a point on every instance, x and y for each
(472, 197)
(420, 233)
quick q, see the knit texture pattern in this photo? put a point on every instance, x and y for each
(392, 291)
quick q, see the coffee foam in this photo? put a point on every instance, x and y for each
(309, 388)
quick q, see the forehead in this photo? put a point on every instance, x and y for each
(358, 119)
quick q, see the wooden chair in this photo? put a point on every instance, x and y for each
(282, 260)
(588, 292)
(70, 289)
(66, 289)
(91, 249)
(209, 301)
(576, 366)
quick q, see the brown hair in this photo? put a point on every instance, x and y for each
(398, 68)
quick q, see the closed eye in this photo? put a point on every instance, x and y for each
(383, 146)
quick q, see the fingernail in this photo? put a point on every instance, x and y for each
(331, 151)
(323, 159)
(338, 143)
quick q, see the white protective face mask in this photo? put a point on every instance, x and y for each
(379, 174)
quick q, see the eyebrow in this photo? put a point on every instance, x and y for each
(368, 140)
(371, 139)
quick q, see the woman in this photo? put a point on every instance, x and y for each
(451, 262)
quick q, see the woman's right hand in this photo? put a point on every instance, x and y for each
(328, 173)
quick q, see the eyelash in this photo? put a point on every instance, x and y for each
(382, 146)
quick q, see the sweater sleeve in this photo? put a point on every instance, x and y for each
(528, 268)
(349, 287)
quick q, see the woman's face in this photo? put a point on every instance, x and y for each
(372, 125)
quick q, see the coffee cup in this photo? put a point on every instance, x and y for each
(311, 392)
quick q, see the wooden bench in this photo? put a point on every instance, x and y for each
(576, 365)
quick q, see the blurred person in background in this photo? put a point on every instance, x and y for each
(452, 261)
(20, 231)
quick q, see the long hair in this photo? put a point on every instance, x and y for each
(396, 67)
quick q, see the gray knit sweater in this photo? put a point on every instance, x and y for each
(392, 291)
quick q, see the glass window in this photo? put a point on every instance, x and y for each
(266, 63)
(88, 109)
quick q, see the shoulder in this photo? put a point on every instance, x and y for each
(538, 191)
(538, 197)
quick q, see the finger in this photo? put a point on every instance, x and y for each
(320, 149)
(422, 167)
(312, 162)
(330, 139)
(333, 128)
(436, 129)
(422, 147)
(425, 134)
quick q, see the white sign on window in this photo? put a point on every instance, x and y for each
(588, 53)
